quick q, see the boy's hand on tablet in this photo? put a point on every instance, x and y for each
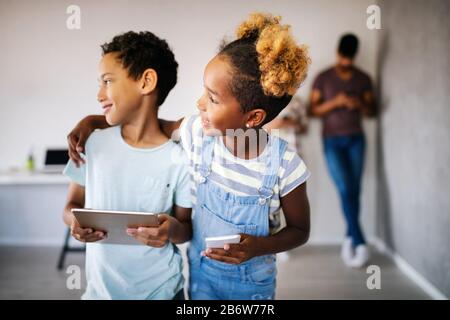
(154, 236)
(85, 234)
(235, 253)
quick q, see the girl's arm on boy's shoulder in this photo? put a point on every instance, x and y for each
(168, 126)
(77, 138)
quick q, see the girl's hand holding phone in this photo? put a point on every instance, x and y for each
(235, 253)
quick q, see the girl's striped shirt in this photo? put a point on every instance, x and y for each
(240, 176)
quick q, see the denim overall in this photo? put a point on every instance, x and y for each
(220, 213)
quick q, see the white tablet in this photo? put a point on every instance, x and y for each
(219, 242)
(115, 223)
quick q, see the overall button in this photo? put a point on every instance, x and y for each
(262, 201)
(201, 179)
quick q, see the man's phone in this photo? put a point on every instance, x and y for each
(219, 242)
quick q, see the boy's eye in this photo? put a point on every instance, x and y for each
(107, 81)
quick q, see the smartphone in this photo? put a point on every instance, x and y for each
(219, 242)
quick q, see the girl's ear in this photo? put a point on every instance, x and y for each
(148, 81)
(255, 118)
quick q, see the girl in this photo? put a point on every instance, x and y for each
(242, 175)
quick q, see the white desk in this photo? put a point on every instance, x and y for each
(31, 208)
(24, 178)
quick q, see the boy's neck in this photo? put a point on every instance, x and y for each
(246, 148)
(142, 130)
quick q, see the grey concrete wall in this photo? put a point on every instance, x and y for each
(414, 132)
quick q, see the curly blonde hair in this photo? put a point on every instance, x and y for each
(267, 64)
(283, 64)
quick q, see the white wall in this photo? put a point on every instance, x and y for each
(48, 73)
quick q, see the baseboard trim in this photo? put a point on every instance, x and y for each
(409, 270)
(324, 242)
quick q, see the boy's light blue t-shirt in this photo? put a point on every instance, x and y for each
(118, 176)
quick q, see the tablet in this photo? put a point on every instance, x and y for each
(115, 223)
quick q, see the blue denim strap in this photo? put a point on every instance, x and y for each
(207, 153)
(277, 149)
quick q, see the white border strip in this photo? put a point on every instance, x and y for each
(409, 271)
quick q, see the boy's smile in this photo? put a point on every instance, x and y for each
(106, 107)
(118, 94)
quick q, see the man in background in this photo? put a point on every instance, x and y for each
(341, 96)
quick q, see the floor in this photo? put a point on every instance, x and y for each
(311, 272)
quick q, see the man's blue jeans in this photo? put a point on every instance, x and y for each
(345, 159)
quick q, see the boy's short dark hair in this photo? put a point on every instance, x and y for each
(348, 45)
(144, 50)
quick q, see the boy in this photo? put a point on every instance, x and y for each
(133, 166)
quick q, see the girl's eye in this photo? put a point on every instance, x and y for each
(107, 81)
(212, 100)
